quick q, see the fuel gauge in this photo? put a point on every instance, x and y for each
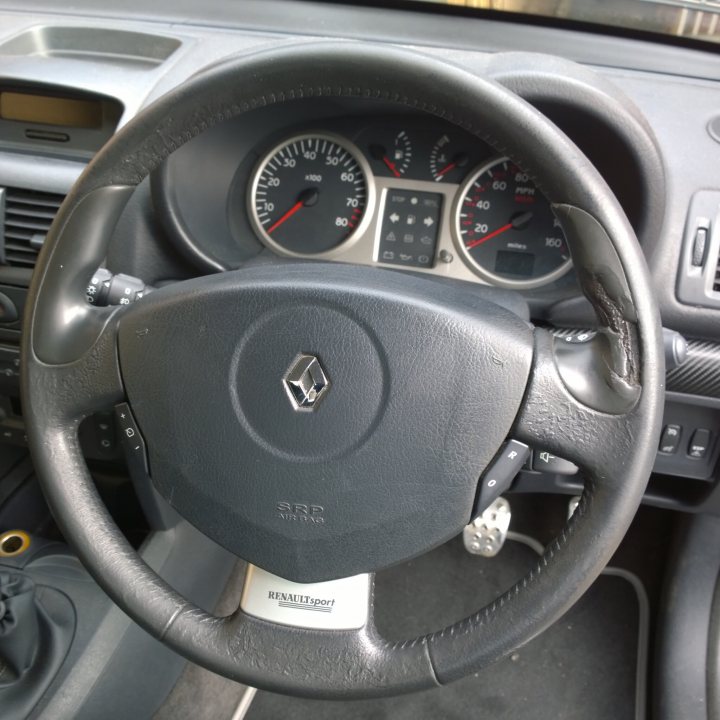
(448, 160)
(395, 153)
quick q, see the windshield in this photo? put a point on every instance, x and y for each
(689, 19)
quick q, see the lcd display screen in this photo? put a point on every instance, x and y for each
(47, 110)
(514, 263)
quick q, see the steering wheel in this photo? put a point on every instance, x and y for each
(422, 383)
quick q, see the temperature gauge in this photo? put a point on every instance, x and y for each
(395, 154)
(448, 161)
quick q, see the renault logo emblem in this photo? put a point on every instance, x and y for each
(306, 382)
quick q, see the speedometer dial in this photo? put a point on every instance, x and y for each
(310, 194)
(506, 229)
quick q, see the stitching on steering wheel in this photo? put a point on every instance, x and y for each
(463, 627)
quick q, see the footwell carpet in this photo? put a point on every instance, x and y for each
(585, 666)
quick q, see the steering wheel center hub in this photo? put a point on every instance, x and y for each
(322, 421)
(308, 382)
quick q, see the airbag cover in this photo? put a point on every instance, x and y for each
(422, 382)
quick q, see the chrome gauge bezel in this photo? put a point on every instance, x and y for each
(471, 263)
(362, 226)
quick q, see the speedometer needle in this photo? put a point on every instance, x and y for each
(489, 236)
(305, 198)
(516, 222)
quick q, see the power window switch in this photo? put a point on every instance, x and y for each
(670, 440)
(699, 443)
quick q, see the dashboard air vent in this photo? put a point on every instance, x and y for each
(716, 280)
(27, 217)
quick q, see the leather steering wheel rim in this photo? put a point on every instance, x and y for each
(607, 421)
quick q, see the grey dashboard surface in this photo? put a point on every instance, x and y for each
(675, 90)
(308, 19)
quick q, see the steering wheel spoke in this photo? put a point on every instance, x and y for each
(342, 604)
(88, 383)
(557, 418)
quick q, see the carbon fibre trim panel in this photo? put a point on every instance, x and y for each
(700, 373)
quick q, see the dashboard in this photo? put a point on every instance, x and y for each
(365, 182)
(355, 181)
(404, 192)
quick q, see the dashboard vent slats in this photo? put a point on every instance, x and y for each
(27, 217)
(716, 280)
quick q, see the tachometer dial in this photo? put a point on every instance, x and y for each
(310, 194)
(506, 229)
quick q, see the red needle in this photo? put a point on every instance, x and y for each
(391, 165)
(446, 169)
(481, 240)
(286, 216)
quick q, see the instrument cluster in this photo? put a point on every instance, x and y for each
(428, 199)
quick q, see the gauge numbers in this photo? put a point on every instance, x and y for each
(506, 229)
(309, 195)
